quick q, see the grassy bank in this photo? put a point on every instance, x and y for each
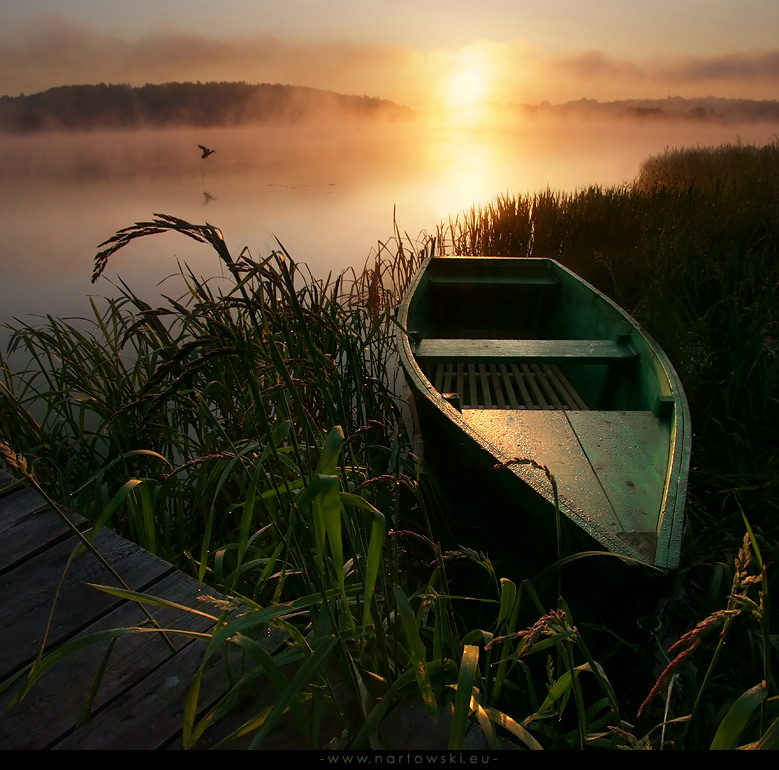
(250, 433)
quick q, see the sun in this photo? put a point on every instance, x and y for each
(467, 88)
(470, 76)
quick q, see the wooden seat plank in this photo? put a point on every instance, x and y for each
(548, 351)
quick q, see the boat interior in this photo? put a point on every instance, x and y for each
(498, 338)
(547, 368)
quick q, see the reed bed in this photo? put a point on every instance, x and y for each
(251, 433)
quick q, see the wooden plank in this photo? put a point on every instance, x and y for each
(28, 526)
(529, 377)
(485, 386)
(17, 506)
(549, 351)
(574, 399)
(50, 710)
(143, 683)
(497, 384)
(548, 438)
(543, 382)
(520, 380)
(473, 400)
(551, 389)
(512, 396)
(629, 451)
(132, 706)
(27, 592)
(150, 716)
(448, 379)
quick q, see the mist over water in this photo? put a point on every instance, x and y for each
(326, 192)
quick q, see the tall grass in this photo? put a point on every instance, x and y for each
(203, 429)
(250, 432)
(181, 398)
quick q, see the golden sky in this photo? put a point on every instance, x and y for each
(427, 53)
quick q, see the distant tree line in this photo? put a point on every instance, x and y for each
(206, 105)
(85, 107)
(709, 108)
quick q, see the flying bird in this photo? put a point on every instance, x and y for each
(206, 151)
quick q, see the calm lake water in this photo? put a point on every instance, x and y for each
(326, 192)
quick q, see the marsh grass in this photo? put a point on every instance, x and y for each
(250, 432)
(206, 383)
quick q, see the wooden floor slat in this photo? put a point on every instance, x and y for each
(507, 386)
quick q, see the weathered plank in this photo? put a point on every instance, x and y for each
(28, 591)
(138, 685)
(50, 711)
(28, 526)
(548, 351)
(150, 716)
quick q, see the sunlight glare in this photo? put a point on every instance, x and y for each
(469, 82)
(466, 89)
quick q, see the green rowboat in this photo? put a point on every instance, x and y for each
(522, 370)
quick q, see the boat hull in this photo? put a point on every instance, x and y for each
(529, 381)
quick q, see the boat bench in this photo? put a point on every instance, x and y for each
(513, 374)
(546, 351)
(536, 281)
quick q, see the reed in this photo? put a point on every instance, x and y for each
(251, 433)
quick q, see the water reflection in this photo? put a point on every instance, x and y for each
(327, 194)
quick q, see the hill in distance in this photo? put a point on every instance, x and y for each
(169, 105)
(212, 105)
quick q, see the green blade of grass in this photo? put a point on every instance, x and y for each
(514, 727)
(466, 681)
(417, 651)
(734, 722)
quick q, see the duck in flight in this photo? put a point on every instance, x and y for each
(206, 151)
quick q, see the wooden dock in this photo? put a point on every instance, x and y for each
(142, 689)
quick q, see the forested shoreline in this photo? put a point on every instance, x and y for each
(224, 104)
